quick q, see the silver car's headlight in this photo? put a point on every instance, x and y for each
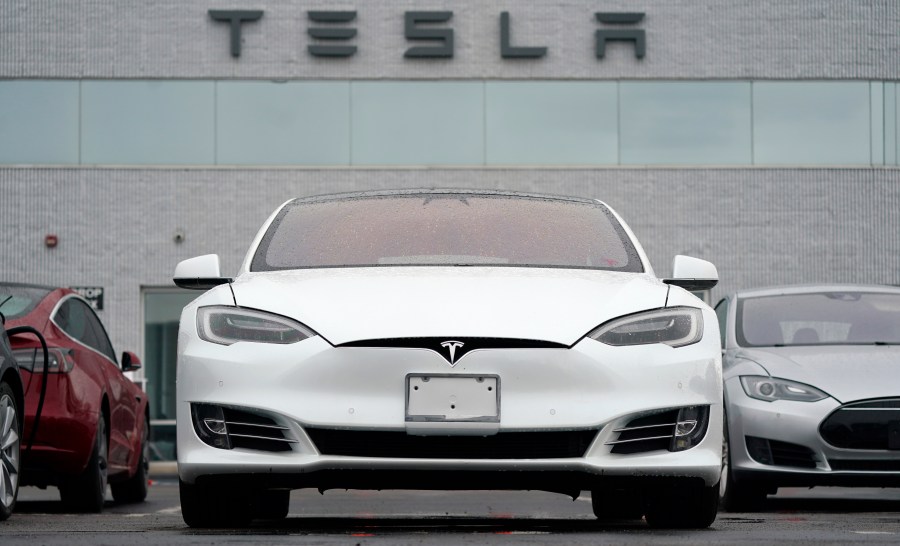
(227, 325)
(769, 389)
(674, 326)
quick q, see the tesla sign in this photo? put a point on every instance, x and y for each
(333, 33)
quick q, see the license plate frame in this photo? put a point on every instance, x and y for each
(453, 398)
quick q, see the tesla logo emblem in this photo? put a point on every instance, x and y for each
(452, 346)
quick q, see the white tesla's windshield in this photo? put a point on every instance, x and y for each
(825, 318)
(446, 229)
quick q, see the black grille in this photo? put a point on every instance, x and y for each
(774, 452)
(648, 433)
(865, 465)
(466, 344)
(872, 425)
(503, 445)
(253, 431)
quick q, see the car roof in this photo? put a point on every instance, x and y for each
(441, 192)
(815, 288)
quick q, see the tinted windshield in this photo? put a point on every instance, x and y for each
(18, 300)
(826, 318)
(446, 229)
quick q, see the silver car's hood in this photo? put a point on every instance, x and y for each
(352, 304)
(846, 372)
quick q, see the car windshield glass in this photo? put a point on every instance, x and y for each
(446, 229)
(16, 301)
(827, 318)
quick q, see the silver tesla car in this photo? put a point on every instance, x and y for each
(812, 389)
(448, 340)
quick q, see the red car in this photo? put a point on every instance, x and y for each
(94, 424)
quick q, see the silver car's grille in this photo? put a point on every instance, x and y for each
(867, 425)
(503, 445)
(865, 465)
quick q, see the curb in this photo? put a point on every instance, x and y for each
(163, 469)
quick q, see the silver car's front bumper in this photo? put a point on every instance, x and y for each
(312, 384)
(798, 455)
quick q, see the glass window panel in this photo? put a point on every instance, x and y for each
(142, 122)
(705, 123)
(891, 124)
(38, 122)
(811, 123)
(162, 312)
(418, 123)
(283, 123)
(552, 123)
(876, 123)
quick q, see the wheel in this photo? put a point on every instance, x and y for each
(210, 506)
(134, 489)
(735, 495)
(617, 504)
(87, 492)
(271, 504)
(10, 451)
(689, 507)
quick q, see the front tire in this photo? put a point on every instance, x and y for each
(617, 504)
(87, 492)
(692, 507)
(134, 489)
(734, 495)
(10, 451)
(213, 507)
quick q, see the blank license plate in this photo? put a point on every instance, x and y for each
(453, 398)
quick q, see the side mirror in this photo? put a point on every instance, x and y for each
(130, 362)
(200, 273)
(693, 273)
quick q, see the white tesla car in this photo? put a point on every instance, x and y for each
(448, 340)
(812, 389)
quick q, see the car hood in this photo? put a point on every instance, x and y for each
(352, 304)
(846, 372)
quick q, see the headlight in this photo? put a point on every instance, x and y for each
(770, 389)
(227, 325)
(674, 326)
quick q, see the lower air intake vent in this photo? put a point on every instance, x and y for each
(253, 431)
(227, 428)
(504, 445)
(773, 452)
(649, 433)
(672, 430)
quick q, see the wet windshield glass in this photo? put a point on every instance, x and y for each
(16, 301)
(827, 318)
(446, 229)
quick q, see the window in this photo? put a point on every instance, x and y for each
(446, 229)
(162, 311)
(78, 320)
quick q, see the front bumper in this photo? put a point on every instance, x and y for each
(801, 458)
(311, 384)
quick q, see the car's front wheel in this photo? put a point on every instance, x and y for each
(212, 506)
(10, 451)
(87, 492)
(617, 504)
(734, 495)
(687, 507)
